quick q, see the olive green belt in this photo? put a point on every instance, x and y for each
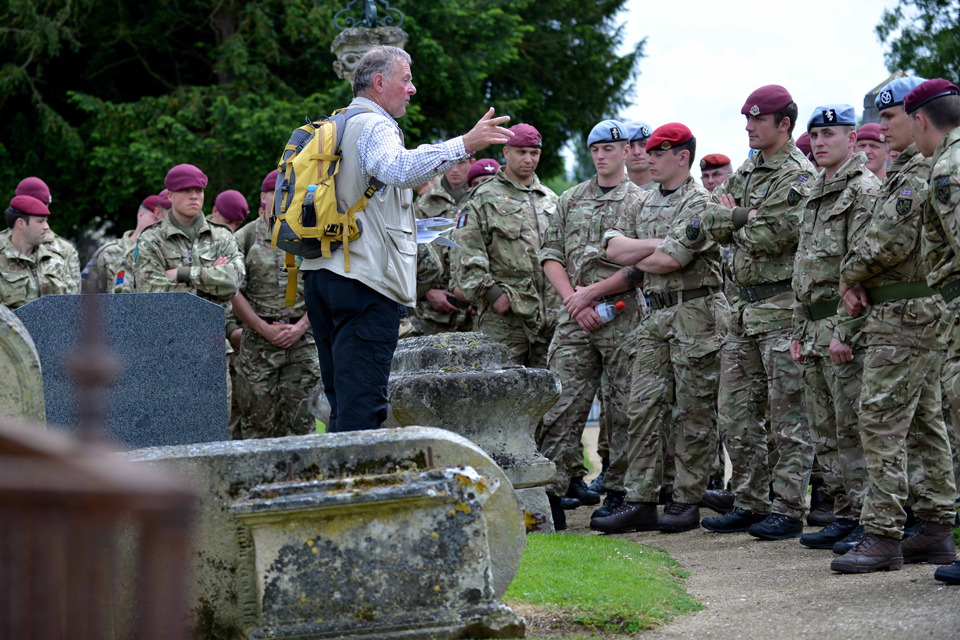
(950, 290)
(821, 310)
(670, 298)
(900, 291)
(765, 290)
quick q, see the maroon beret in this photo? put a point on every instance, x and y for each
(524, 135)
(149, 203)
(767, 99)
(185, 176)
(163, 200)
(714, 161)
(232, 205)
(485, 167)
(35, 188)
(803, 143)
(870, 131)
(270, 182)
(668, 136)
(927, 91)
(29, 205)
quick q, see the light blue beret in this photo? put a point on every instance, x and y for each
(639, 131)
(893, 94)
(607, 131)
(833, 115)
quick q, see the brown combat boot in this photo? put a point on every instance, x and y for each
(679, 517)
(874, 553)
(822, 515)
(629, 516)
(718, 500)
(931, 543)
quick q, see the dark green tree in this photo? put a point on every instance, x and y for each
(924, 37)
(101, 98)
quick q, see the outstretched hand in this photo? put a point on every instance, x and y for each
(486, 132)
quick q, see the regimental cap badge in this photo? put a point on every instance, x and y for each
(615, 133)
(883, 138)
(886, 97)
(754, 110)
(490, 168)
(829, 116)
(703, 165)
(665, 145)
(645, 130)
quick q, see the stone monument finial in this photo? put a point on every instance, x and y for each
(357, 36)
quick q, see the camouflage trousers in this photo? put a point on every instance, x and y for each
(509, 330)
(950, 381)
(273, 385)
(761, 407)
(233, 399)
(673, 400)
(902, 428)
(586, 362)
(832, 392)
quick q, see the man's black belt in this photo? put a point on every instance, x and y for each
(821, 310)
(765, 290)
(900, 291)
(950, 290)
(670, 298)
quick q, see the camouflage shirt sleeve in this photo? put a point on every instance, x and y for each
(226, 280)
(149, 267)
(686, 239)
(777, 222)
(472, 269)
(429, 270)
(553, 245)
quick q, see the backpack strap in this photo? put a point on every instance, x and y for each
(290, 263)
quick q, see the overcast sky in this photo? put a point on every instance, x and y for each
(704, 58)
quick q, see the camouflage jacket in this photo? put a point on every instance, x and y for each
(433, 260)
(164, 246)
(500, 231)
(583, 217)
(669, 216)
(266, 276)
(941, 229)
(71, 257)
(23, 278)
(763, 247)
(837, 207)
(100, 274)
(887, 251)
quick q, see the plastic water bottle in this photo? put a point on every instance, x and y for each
(608, 311)
(308, 214)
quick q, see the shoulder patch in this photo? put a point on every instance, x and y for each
(941, 182)
(462, 222)
(906, 192)
(693, 229)
(943, 192)
(904, 205)
(802, 178)
(794, 197)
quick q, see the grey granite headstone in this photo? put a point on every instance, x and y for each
(172, 387)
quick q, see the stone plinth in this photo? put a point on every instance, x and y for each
(224, 601)
(466, 383)
(21, 381)
(380, 556)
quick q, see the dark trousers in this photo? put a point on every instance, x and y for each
(356, 332)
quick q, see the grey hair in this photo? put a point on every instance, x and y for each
(377, 60)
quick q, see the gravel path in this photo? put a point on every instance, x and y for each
(782, 590)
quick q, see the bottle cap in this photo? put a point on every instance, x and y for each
(620, 305)
(311, 187)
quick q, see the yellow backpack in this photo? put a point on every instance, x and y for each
(312, 159)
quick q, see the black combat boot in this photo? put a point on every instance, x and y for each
(733, 521)
(597, 485)
(829, 535)
(629, 516)
(949, 575)
(578, 490)
(569, 504)
(610, 504)
(559, 517)
(777, 527)
(852, 540)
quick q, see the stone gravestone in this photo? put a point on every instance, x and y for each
(172, 387)
(21, 384)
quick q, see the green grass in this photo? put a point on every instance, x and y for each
(607, 585)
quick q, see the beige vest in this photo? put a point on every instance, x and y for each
(385, 256)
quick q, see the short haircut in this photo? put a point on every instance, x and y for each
(13, 215)
(943, 112)
(377, 60)
(790, 111)
(690, 145)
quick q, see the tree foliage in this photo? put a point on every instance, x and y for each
(101, 98)
(924, 37)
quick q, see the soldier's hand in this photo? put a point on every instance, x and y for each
(751, 214)
(235, 338)
(272, 332)
(289, 335)
(579, 300)
(588, 320)
(728, 201)
(487, 131)
(839, 352)
(439, 301)
(219, 262)
(795, 351)
(171, 273)
(502, 305)
(855, 300)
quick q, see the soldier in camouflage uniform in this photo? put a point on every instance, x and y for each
(30, 268)
(935, 126)
(500, 231)
(37, 188)
(186, 253)
(758, 210)
(676, 367)
(900, 417)
(588, 356)
(841, 199)
(435, 309)
(125, 280)
(638, 164)
(277, 365)
(103, 272)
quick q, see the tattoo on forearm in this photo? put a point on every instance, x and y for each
(632, 275)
